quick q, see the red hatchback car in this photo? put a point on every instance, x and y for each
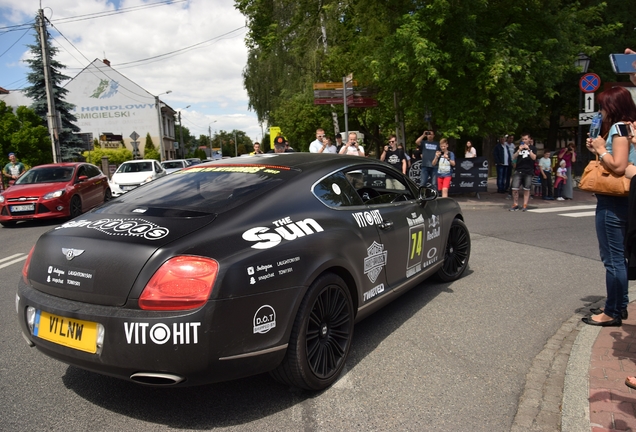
(52, 191)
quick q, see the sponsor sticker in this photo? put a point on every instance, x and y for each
(264, 319)
(367, 218)
(375, 261)
(373, 292)
(284, 229)
(142, 333)
(130, 227)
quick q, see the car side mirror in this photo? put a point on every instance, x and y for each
(82, 178)
(427, 194)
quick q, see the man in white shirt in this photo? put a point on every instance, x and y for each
(352, 147)
(316, 145)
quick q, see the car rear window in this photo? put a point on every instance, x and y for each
(205, 189)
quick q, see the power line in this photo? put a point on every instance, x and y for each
(23, 34)
(97, 14)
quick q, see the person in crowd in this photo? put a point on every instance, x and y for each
(327, 146)
(406, 155)
(13, 170)
(288, 147)
(503, 162)
(415, 155)
(338, 142)
(615, 153)
(561, 180)
(352, 147)
(395, 157)
(257, 149)
(279, 145)
(316, 145)
(569, 156)
(471, 152)
(428, 149)
(545, 167)
(536, 180)
(525, 156)
(444, 161)
(510, 142)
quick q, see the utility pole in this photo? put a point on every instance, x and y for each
(323, 29)
(51, 116)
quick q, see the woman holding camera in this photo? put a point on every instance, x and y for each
(615, 153)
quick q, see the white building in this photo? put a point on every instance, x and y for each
(107, 103)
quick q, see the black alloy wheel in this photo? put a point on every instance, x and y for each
(321, 336)
(75, 206)
(457, 252)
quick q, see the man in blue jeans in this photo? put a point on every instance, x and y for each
(429, 149)
(503, 162)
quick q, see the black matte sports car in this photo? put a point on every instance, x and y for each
(237, 267)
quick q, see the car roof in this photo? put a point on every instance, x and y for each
(140, 160)
(302, 161)
(60, 164)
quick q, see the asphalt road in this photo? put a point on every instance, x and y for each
(443, 357)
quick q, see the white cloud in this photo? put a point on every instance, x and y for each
(209, 77)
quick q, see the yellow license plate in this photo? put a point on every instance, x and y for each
(73, 333)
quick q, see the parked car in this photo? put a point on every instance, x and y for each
(54, 191)
(236, 267)
(132, 174)
(194, 161)
(174, 165)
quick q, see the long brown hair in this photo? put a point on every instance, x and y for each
(618, 105)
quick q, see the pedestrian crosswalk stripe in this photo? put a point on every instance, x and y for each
(561, 209)
(21, 256)
(579, 214)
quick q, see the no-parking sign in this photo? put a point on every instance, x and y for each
(589, 83)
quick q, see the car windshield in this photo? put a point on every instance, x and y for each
(46, 175)
(205, 189)
(132, 167)
(170, 165)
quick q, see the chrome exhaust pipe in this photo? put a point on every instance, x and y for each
(156, 378)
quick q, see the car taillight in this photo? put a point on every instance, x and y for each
(182, 282)
(25, 267)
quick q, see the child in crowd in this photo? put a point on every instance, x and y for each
(545, 167)
(444, 161)
(561, 179)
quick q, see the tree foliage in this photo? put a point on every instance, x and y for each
(475, 68)
(69, 143)
(115, 156)
(22, 132)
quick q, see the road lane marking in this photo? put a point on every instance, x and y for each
(7, 264)
(560, 209)
(580, 214)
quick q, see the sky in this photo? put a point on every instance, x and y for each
(206, 39)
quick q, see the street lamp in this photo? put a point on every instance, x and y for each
(158, 104)
(581, 63)
(210, 137)
(181, 133)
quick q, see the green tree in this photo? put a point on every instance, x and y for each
(479, 68)
(70, 144)
(150, 152)
(115, 156)
(22, 132)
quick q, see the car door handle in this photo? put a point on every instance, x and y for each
(385, 224)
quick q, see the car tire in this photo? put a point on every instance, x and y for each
(75, 207)
(108, 195)
(456, 253)
(321, 336)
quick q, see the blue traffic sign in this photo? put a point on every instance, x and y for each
(589, 83)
